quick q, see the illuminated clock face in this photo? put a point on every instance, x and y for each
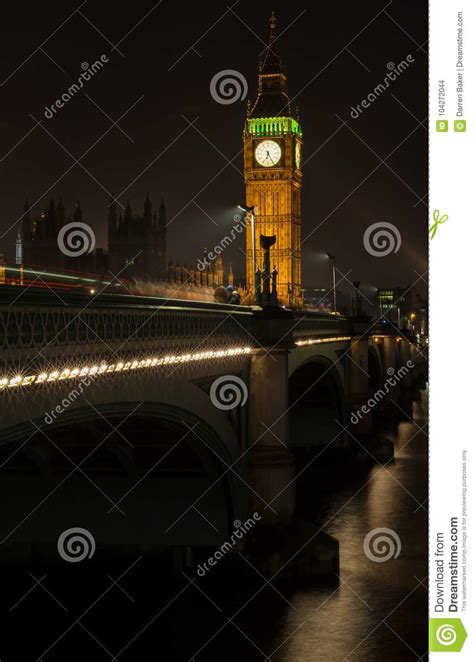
(298, 155)
(268, 153)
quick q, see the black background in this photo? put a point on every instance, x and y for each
(325, 80)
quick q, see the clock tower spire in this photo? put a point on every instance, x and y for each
(273, 179)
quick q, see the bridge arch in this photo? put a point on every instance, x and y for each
(317, 403)
(107, 467)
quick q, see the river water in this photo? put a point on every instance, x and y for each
(374, 611)
(379, 609)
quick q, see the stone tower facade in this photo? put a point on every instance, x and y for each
(273, 143)
(138, 243)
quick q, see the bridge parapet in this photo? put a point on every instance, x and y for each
(46, 336)
(309, 325)
(76, 325)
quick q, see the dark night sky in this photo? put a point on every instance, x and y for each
(183, 172)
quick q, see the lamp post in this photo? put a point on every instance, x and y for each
(333, 258)
(358, 310)
(251, 210)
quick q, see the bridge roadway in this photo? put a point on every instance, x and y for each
(221, 396)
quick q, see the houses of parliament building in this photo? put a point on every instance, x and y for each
(137, 247)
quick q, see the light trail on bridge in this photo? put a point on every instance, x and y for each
(318, 341)
(103, 367)
(112, 368)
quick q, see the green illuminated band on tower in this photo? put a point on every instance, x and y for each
(267, 126)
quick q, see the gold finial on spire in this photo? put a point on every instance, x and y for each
(273, 23)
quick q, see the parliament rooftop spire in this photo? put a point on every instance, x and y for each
(272, 97)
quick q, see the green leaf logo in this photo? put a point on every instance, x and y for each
(447, 635)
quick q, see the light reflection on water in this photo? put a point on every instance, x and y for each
(379, 610)
(376, 613)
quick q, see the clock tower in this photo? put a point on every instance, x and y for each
(273, 177)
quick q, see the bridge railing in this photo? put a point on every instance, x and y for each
(43, 330)
(309, 325)
(43, 326)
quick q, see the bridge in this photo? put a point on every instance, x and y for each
(162, 423)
